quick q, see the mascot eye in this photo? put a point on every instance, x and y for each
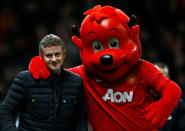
(113, 43)
(97, 46)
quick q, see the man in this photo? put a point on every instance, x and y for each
(177, 118)
(54, 104)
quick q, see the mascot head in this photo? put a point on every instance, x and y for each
(108, 42)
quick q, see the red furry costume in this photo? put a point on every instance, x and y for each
(117, 82)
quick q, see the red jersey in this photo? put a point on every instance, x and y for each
(120, 105)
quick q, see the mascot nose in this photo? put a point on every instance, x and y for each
(106, 59)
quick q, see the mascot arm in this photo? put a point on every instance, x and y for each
(77, 70)
(38, 68)
(159, 111)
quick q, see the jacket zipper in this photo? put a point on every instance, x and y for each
(56, 107)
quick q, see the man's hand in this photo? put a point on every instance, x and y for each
(38, 68)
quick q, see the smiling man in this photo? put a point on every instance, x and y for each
(54, 104)
(53, 52)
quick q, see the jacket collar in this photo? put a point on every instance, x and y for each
(56, 76)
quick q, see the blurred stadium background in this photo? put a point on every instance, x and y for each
(24, 22)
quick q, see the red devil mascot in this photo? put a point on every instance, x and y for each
(117, 83)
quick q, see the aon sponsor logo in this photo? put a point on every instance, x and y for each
(118, 96)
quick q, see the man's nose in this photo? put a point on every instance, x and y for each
(53, 58)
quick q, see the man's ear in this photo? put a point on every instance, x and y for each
(77, 41)
(64, 54)
(40, 54)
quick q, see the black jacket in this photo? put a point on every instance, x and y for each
(176, 121)
(54, 104)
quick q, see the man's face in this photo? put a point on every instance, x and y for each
(53, 57)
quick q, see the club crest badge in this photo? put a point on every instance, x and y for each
(131, 80)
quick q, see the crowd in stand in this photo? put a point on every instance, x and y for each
(24, 23)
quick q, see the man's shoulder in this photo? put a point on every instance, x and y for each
(26, 75)
(72, 76)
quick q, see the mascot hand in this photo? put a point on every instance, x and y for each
(158, 112)
(38, 68)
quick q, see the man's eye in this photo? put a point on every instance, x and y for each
(57, 54)
(49, 56)
(97, 46)
(113, 43)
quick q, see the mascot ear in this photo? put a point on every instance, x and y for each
(136, 30)
(76, 40)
